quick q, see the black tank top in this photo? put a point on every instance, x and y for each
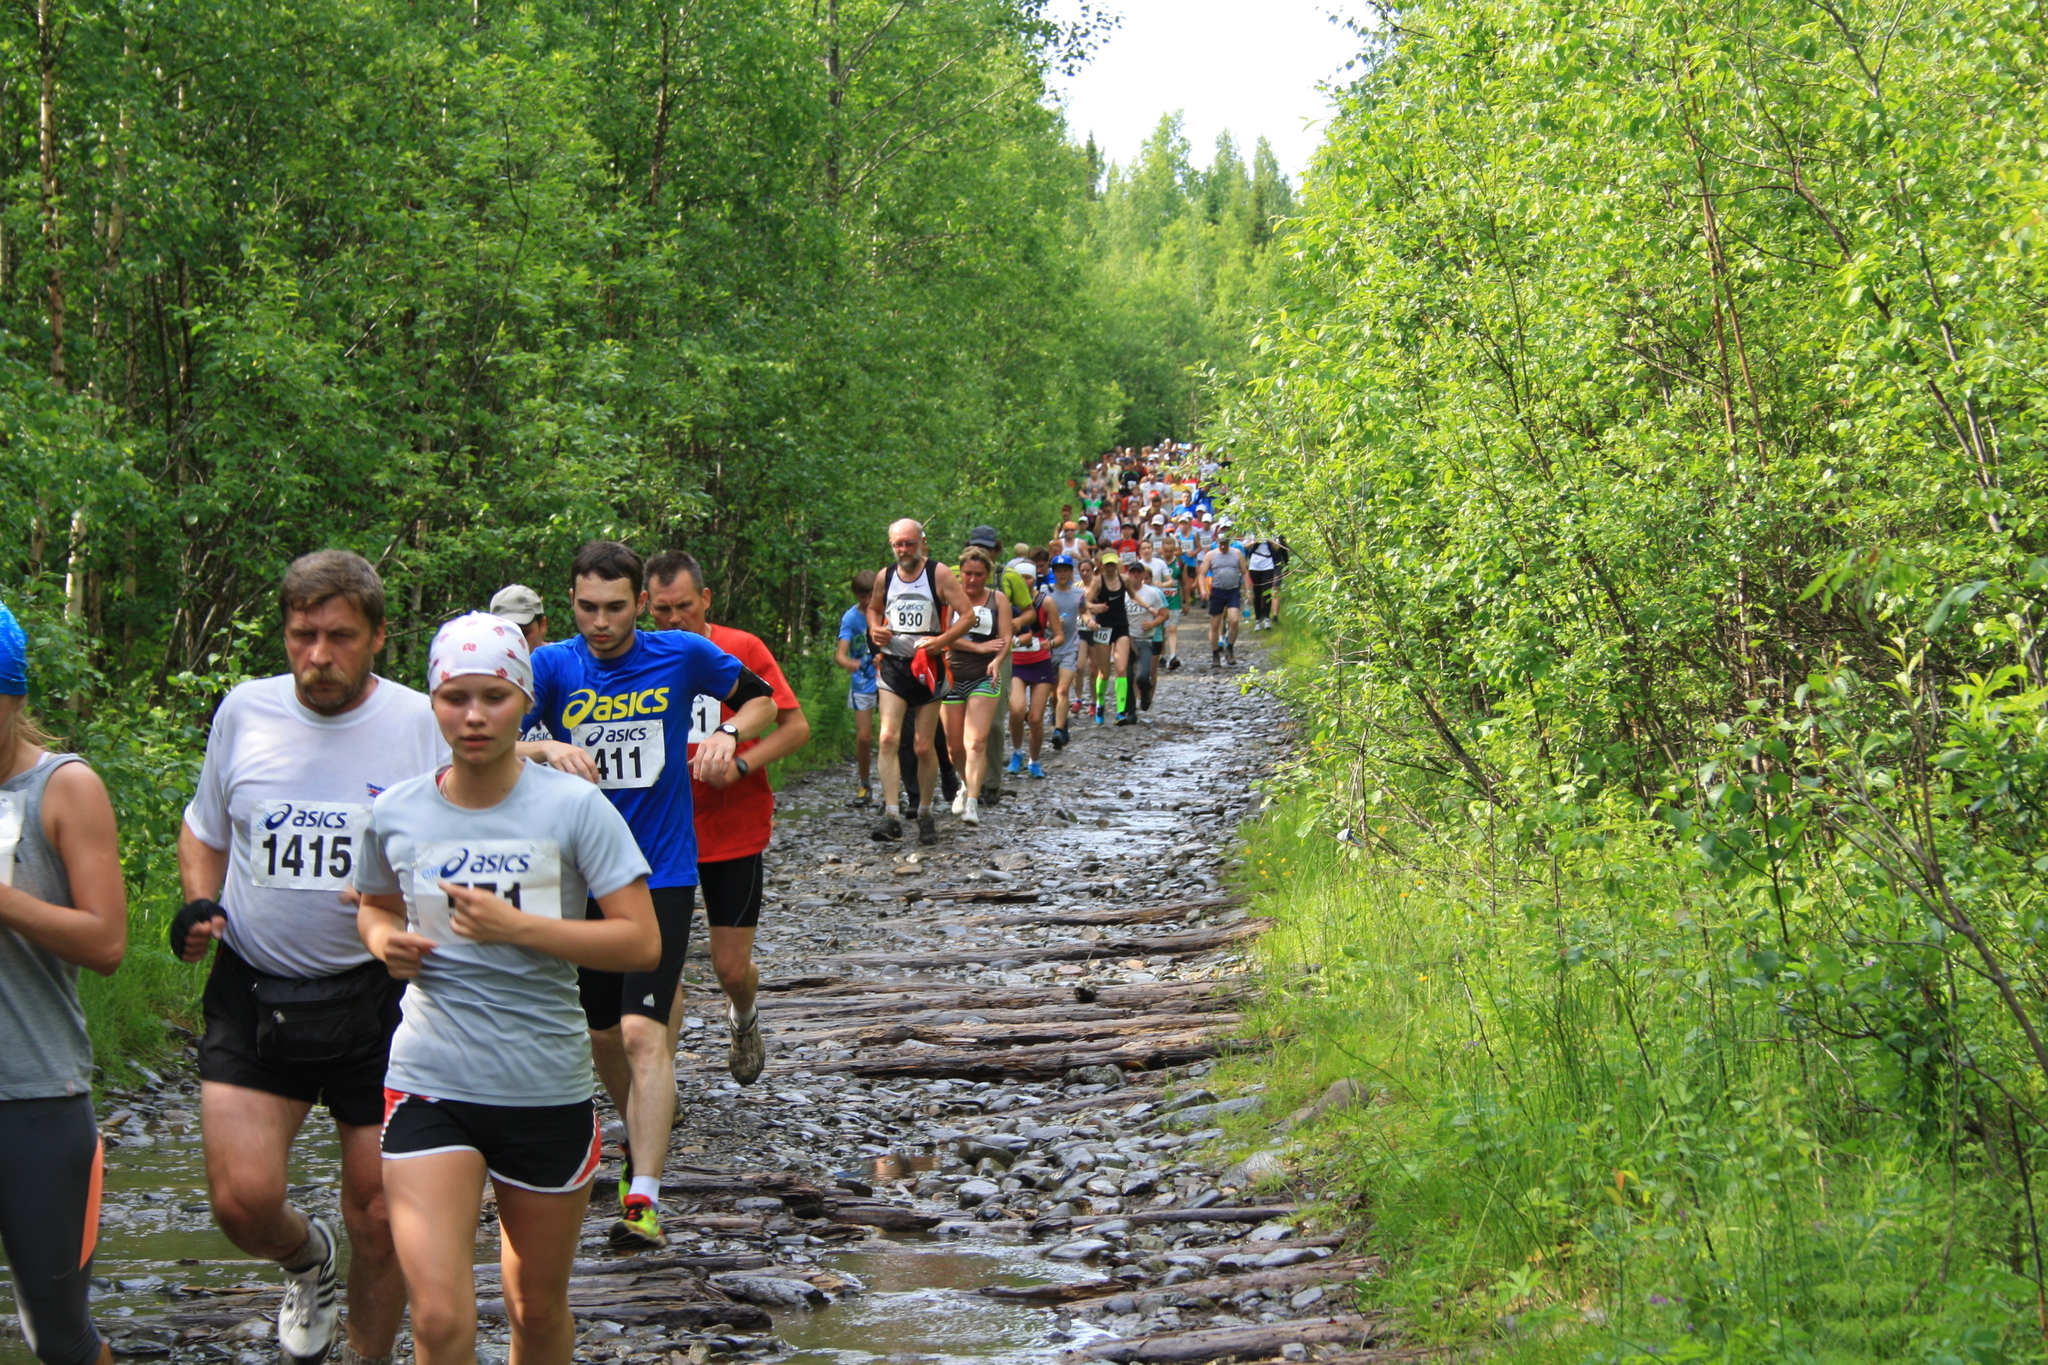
(966, 665)
(1116, 617)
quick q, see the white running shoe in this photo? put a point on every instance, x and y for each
(308, 1319)
(971, 815)
(960, 800)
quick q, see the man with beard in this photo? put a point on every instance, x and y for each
(903, 622)
(297, 1011)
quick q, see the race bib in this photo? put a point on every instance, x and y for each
(305, 845)
(10, 835)
(1102, 635)
(984, 622)
(628, 753)
(525, 872)
(706, 715)
(913, 616)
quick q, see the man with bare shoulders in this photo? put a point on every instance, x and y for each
(903, 622)
(297, 1011)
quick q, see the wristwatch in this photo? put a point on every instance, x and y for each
(729, 729)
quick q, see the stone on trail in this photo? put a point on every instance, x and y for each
(1083, 1249)
(769, 1291)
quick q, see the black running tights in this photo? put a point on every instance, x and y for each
(49, 1220)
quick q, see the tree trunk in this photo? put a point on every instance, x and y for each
(46, 139)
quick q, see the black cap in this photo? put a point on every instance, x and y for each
(985, 537)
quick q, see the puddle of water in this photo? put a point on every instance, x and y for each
(920, 1301)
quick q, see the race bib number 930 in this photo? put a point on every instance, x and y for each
(304, 845)
(628, 753)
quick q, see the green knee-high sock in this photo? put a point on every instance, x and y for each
(1123, 695)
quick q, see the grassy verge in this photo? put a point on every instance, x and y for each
(1594, 1135)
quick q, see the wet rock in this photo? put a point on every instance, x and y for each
(972, 1192)
(769, 1291)
(1082, 1249)
(1109, 1077)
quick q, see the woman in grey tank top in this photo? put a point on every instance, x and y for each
(62, 906)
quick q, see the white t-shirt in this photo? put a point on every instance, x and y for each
(1162, 573)
(1144, 601)
(287, 792)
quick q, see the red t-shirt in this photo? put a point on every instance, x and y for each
(735, 822)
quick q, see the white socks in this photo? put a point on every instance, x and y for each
(647, 1186)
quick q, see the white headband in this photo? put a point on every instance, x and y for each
(480, 643)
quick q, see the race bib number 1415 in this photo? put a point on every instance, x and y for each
(304, 845)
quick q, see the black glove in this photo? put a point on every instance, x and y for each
(194, 912)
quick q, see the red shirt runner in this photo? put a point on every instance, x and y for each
(735, 821)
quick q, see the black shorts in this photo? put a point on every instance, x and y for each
(892, 674)
(547, 1148)
(1041, 674)
(609, 995)
(351, 1086)
(1223, 600)
(732, 892)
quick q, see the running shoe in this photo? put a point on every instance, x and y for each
(308, 1318)
(746, 1054)
(972, 815)
(862, 799)
(888, 827)
(1059, 740)
(1230, 655)
(960, 800)
(1098, 715)
(1034, 769)
(927, 830)
(640, 1225)
(1216, 658)
(1126, 720)
(1016, 761)
(1173, 663)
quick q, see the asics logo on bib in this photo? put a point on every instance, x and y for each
(592, 736)
(297, 818)
(584, 704)
(481, 863)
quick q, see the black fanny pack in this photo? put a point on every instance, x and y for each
(321, 1019)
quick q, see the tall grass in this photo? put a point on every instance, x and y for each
(1596, 1134)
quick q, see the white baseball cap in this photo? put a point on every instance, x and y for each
(517, 603)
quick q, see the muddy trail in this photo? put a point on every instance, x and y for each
(983, 1134)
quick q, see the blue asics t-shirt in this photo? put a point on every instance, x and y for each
(636, 717)
(853, 628)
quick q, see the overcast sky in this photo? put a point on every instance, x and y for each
(1251, 66)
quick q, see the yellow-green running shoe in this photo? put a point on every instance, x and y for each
(640, 1226)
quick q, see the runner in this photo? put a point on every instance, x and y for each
(618, 701)
(1033, 678)
(1015, 584)
(1223, 571)
(1108, 611)
(854, 654)
(969, 709)
(297, 1011)
(1148, 627)
(1266, 558)
(63, 906)
(1066, 598)
(735, 815)
(474, 885)
(1164, 574)
(903, 622)
(522, 606)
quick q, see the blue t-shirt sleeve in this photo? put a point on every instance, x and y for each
(854, 625)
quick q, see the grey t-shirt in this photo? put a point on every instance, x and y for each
(1068, 604)
(44, 1052)
(491, 1023)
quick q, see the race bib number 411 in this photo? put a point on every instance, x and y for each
(525, 872)
(628, 753)
(304, 845)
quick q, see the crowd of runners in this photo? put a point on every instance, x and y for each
(435, 912)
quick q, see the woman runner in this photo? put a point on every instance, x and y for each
(969, 708)
(1109, 647)
(474, 882)
(1033, 675)
(62, 906)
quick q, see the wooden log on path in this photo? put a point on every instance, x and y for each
(1215, 1213)
(637, 1311)
(1027, 1028)
(1142, 914)
(1143, 1053)
(1191, 943)
(1329, 1271)
(951, 995)
(879, 1213)
(1234, 1343)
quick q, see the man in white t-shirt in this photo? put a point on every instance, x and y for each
(297, 1011)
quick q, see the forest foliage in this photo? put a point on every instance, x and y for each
(1653, 391)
